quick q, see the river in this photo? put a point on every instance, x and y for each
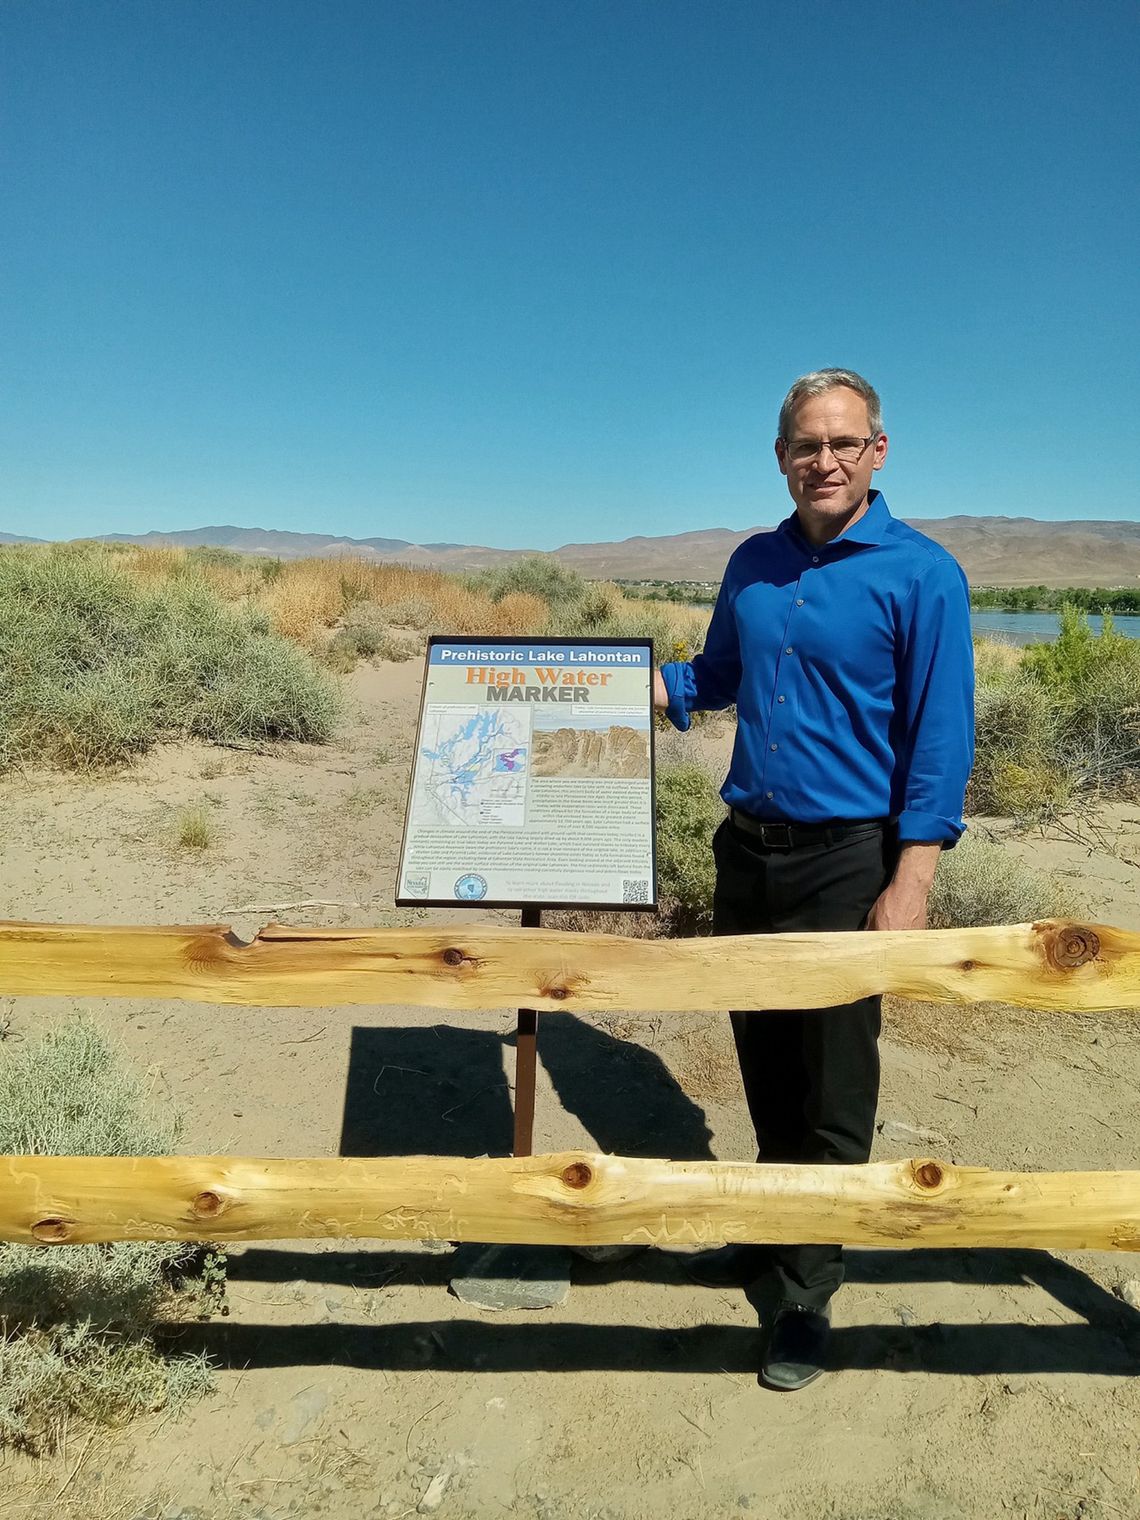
(1038, 627)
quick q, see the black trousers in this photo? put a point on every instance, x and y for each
(811, 1077)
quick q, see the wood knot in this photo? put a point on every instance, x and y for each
(928, 1174)
(967, 965)
(578, 1175)
(559, 994)
(51, 1231)
(208, 1204)
(455, 957)
(1073, 945)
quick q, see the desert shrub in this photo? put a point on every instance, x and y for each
(101, 664)
(689, 810)
(211, 556)
(1056, 721)
(980, 882)
(1018, 768)
(78, 1323)
(399, 647)
(605, 612)
(301, 603)
(994, 660)
(410, 612)
(538, 575)
(357, 581)
(361, 638)
(596, 611)
(364, 631)
(460, 609)
(521, 612)
(1094, 680)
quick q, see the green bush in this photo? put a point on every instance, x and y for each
(1061, 722)
(411, 612)
(689, 809)
(214, 556)
(1094, 680)
(78, 1323)
(532, 575)
(362, 637)
(979, 882)
(99, 667)
(1018, 769)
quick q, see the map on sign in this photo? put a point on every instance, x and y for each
(472, 768)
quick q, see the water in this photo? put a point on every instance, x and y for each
(1039, 627)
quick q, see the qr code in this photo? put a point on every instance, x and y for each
(634, 891)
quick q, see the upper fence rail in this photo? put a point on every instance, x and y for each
(1054, 964)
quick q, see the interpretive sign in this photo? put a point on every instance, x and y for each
(532, 783)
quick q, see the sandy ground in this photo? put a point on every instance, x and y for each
(974, 1384)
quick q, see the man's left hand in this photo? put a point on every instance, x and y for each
(902, 902)
(895, 909)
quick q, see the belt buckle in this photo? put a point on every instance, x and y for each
(776, 836)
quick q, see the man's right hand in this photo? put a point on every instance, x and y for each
(660, 695)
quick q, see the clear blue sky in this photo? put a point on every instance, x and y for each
(524, 272)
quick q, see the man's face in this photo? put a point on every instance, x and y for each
(830, 493)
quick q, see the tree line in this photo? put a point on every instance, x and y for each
(1123, 599)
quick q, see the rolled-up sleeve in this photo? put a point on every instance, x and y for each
(936, 690)
(712, 679)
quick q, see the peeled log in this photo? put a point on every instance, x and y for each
(575, 1198)
(1053, 964)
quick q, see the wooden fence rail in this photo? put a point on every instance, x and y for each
(576, 1198)
(1053, 965)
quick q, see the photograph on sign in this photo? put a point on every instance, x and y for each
(532, 781)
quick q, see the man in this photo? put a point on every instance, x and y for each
(843, 637)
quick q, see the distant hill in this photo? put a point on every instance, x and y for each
(994, 551)
(272, 541)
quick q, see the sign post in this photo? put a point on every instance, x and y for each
(531, 788)
(526, 1061)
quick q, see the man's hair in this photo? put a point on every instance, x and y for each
(822, 380)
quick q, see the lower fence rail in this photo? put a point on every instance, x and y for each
(571, 1198)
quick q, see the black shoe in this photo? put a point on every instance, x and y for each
(797, 1347)
(728, 1266)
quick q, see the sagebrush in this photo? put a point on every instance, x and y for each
(78, 1323)
(100, 663)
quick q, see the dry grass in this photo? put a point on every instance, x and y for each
(309, 601)
(520, 612)
(306, 600)
(195, 828)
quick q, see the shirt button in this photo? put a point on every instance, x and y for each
(779, 699)
(788, 650)
(799, 601)
(769, 794)
(815, 559)
(773, 746)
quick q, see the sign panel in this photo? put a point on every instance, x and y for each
(532, 782)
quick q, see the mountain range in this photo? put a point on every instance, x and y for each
(994, 551)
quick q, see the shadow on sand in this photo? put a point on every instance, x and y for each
(442, 1091)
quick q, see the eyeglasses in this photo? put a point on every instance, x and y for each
(845, 450)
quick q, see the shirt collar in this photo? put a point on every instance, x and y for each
(870, 529)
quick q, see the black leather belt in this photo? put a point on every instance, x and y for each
(793, 836)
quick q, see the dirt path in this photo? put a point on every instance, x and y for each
(353, 1384)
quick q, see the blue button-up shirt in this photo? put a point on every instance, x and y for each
(851, 666)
